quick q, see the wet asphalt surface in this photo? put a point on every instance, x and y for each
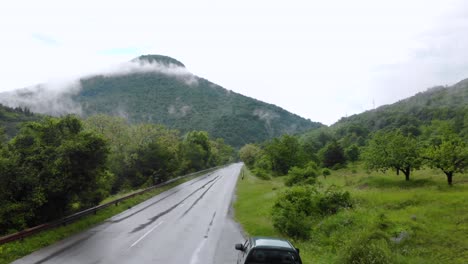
(188, 224)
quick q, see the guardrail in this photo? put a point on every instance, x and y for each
(71, 218)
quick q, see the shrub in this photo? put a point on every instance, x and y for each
(306, 175)
(296, 209)
(292, 211)
(261, 173)
(368, 249)
(332, 200)
(326, 172)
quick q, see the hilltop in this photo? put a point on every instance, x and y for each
(160, 89)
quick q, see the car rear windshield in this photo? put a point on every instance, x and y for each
(271, 256)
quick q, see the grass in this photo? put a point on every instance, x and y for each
(17, 249)
(431, 216)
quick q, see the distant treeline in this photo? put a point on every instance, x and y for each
(440, 144)
(56, 166)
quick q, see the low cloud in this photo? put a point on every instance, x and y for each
(56, 97)
(143, 66)
(179, 111)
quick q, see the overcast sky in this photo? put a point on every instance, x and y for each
(319, 59)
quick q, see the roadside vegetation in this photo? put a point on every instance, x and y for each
(17, 249)
(347, 194)
(57, 166)
(386, 219)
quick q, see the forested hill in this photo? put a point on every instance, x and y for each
(160, 89)
(438, 103)
(11, 118)
(186, 102)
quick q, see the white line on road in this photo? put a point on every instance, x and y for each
(194, 258)
(151, 230)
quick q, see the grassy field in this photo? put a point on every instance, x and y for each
(429, 218)
(17, 249)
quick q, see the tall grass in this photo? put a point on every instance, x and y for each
(423, 220)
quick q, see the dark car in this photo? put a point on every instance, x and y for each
(267, 250)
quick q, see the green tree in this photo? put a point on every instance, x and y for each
(352, 153)
(49, 166)
(195, 150)
(332, 154)
(221, 153)
(284, 153)
(393, 150)
(249, 154)
(449, 153)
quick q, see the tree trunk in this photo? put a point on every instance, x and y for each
(449, 177)
(397, 171)
(407, 172)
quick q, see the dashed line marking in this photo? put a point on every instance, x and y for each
(147, 233)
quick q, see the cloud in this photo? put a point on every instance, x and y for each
(56, 97)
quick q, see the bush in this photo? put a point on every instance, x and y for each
(292, 212)
(296, 209)
(332, 200)
(326, 172)
(261, 173)
(367, 249)
(306, 175)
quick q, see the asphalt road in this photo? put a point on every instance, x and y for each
(188, 224)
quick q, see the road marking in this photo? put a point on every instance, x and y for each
(151, 230)
(194, 258)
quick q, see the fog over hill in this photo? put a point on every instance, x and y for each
(160, 89)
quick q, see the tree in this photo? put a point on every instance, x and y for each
(49, 166)
(448, 153)
(332, 154)
(393, 150)
(221, 153)
(249, 154)
(352, 153)
(284, 153)
(195, 150)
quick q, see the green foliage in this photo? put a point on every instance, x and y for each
(326, 172)
(284, 153)
(11, 119)
(9, 252)
(292, 212)
(297, 208)
(332, 154)
(249, 154)
(261, 173)
(187, 103)
(393, 150)
(147, 153)
(447, 152)
(332, 200)
(368, 248)
(46, 168)
(423, 220)
(352, 153)
(195, 150)
(306, 175)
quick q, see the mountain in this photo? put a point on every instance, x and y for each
(437, 103)
(159, 89)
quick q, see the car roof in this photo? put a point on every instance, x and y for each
(270, 242)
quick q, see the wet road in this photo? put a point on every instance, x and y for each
(190, 224)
